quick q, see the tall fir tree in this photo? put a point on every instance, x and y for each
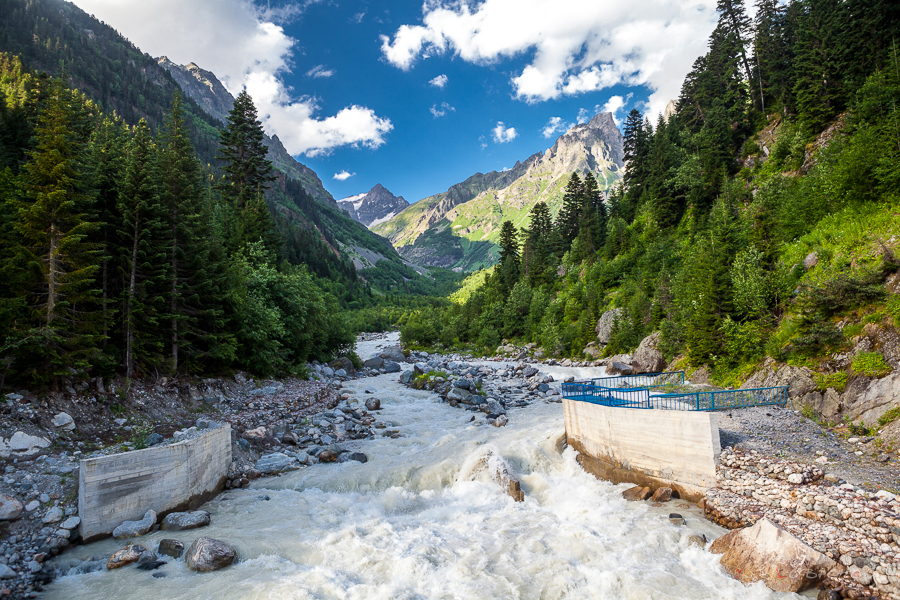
(569, 219)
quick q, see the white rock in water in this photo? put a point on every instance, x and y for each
(135, 528)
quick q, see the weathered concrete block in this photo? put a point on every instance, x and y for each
(123, 487)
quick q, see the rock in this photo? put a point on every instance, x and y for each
(501, 421)
(7, 573)
(125, 556)
(676, 519)
(169, 547)
(153, 439)
(406, 377)
(391, 367)
(493, 406)
(342, 363)
(64, 421)
(697, 540)
(207, 554)
(529, 372)
(462, 384)
(327, 456)
(373, 363)
(392, 353)
(358, 457)
(70, 523)
(867, 399)
(22, 445)
(618, 368)
(32, 506)
(460, 395)
(637, 493)
(767, 553)
(255, 434)
(327, 371)
(180, 521)
(605, 324)
(829, 595)
(373, 404)
(276, 462)
(340, 373)
(130, 529)
(647, 357)
(54, 515)
(662, 494)
(10, 508)
(811, 260)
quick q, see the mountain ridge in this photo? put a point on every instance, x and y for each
(373, 207)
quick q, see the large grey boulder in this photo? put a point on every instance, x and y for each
(180, 521)
(605, 324)
(207, 554)
(393, 353)
(460, 395)
(647, 357)
(10, 508)
(406, 377)
(618, 368)
(276, 462)
(391, 367)
(373, 363)
(64, 421)
(493, 406)
(768, 553)
(130, 529)
(22, 445)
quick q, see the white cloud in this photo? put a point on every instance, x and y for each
(343, 175)
(614, 105)
(443, 110)
(245, 46)
(554, 125)
(439, 81)
(320, 71)
(503, 134)
(573, 46)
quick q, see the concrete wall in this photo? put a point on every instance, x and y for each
(122, 487)
(657, 448)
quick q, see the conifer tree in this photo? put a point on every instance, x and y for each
(818, 86)
(537, 243)
(734, 18)
(569, 219)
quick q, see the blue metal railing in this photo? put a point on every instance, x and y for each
(640, 397)
(648, 380)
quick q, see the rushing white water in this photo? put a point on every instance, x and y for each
(405, 526)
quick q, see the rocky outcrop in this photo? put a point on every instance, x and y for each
(867, 399)
(799, 380)
(22, 445)
(605, 324)
(130, 529)
(373, 207)
(768, 553)
(207, 554)
(647, 357)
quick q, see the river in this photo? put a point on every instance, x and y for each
(406, 525)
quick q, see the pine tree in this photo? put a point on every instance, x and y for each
(569, 219)
(56, 246)
(818, 86)
(734, 18)
(535, 254)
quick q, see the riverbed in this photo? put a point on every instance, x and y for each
(410, 524)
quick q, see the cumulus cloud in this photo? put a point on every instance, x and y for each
(246, 47)
(443, 110)
(572, 46)
(343, 175)
(554, 125)
(439, 81)
(320, 71)
(503, 134)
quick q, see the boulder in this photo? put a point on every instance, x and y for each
(460, 395)
(327, 456)
(130, 529)
(391, 367)
(768, 553)
(125, 556)
(393, 353)
(605, 324)
(358, 457)
(276, 462)
(153, 439)
(70, 523)
(10, 508)
(662, 494)
(342, 362)
(501, 421)
(207, 554)
(169, 547)
(54, 515)
(491, 467)
(494, 406)
(592, 351)
(22, 445)
(7, 573)
(180, 521)
(64, 421)
(811, 260)
(373, 404)
(618, 368)
(867, 399)
(375, 362)
(637, 493)
(647, 357)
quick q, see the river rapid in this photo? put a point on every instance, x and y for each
(409, 525)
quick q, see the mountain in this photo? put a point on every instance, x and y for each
(373, 207)
(460, 228)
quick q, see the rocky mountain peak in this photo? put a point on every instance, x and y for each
(373, 207)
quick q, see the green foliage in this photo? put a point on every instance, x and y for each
(870, 364)
(838, 381)
(893, 308)
(889, 417)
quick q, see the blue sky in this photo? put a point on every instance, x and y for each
(418, 96)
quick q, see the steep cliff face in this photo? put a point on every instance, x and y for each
(373, 207)
(462, 225)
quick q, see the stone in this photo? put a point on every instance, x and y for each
(811, 260)
(647, 357)
(327, 456)
(662, 494)
(391, 367)
(605, 324)
(169, 547)
(255, 434)
(54, 515)
(7, 573)
(393, 353)
(64, 421)
(373, 404)
(10, 508)
(406, 377)
(32, 506)
(130, 529)
(637, 493)
(70, 523)
(358, 457)
(125, 556)
(618, 368)
(22, 445)
(676, 519)
(179, 521)
(375, 362)
(154, 439)
(207, 554)
(829, 595)
(276, 462)
(493, 406)
(340, 373)
(768, 553)
(460, 395)
(697, 540)
(501, 421)
(342, 363)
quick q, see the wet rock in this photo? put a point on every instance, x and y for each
(393, 353)
(276, 462)
(676, 519)
(180, 521)
(170, 547)
(514, 489)
(406, 377)
(10, 508)
(358, 457)
(697, 540)
(829, 595)
(662, 494)
(493, 406)
(768, 553)
(342, 362)
(125, 556)
(376, 362)
(373, 404)
(605, 324)
(130, 529)
(637, 493)
(647, 357)
(207, 554)
(391, 367)
(327, 456)
(460, 395)
(64, 421)
(501, 421)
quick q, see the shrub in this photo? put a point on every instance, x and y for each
(870, 364)
(893, 308)
(838, 381)
(890, 416)
(844, 290)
